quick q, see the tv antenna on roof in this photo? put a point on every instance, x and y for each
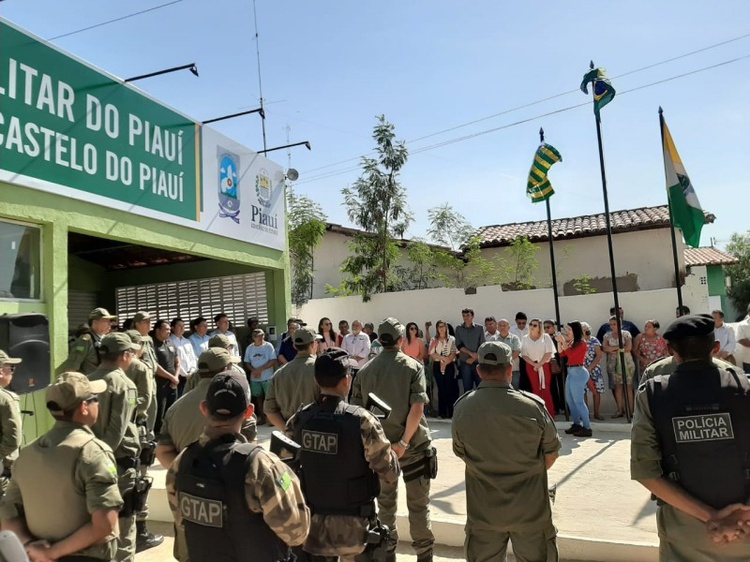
(260, 80)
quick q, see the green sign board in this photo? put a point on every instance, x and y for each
(64, 123)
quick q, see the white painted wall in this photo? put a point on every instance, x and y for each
(446, 304)
(648, 254)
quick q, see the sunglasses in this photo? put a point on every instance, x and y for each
(533, 325)
(91, 399)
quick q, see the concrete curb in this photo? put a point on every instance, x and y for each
(451, 533)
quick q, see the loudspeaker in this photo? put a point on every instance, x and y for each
(26, 336)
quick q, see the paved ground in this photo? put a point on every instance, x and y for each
(597, 503)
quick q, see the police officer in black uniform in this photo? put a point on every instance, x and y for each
(690, 447)
(344, 455)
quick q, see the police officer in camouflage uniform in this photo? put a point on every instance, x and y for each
(345, 455)
(84, 353)
(11, 432)
(508, 441)
(399, 381)
(294, 384)
(145, 418)
(689, 443)
(62, 500)
(234, 501)
(116, 427)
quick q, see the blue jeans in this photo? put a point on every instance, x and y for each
(469, 375)
(575, 388)
(516, 382)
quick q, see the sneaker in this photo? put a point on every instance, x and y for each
(573, 429)
(583, 432)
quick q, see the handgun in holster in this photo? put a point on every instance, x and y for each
(148, 452)
(377, 407)
(286, 449)
(376, 544)
(427, 466)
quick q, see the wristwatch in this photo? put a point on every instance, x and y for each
(403, 444)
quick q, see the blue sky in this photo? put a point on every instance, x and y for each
(329, 67)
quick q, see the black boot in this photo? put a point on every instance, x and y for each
(425, 556)
(144, 539)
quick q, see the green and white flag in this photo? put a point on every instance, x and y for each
(687, 214)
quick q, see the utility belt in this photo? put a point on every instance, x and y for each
(376, 542)
(426, 467)
(126, 463)
(368, 510)
(134, 500)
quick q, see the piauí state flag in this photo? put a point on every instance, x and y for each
(538, 187)
(687, 213)
(603, 90)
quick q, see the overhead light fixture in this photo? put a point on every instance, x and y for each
(306, 143)
(192, 67)
(292, 174)
(215, 119)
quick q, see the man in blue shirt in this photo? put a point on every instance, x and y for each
(626, 325)
(469, 336)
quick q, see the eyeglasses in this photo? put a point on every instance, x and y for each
(11, 368)
(91, 399)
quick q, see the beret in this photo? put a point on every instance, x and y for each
(689, 326)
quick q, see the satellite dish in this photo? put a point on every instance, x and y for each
(292, 174)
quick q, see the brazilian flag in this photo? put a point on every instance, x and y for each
(603, 90)
(538, 187)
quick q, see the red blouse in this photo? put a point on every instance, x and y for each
(576, 355)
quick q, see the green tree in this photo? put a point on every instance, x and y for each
(522, 263)
(739, 292)
(376, 203)
(448, 227)
(307, 226)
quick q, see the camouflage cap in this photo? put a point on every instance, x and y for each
(136, 336)
(495, 353)
(305, 336)
(140, 316)
(6, 359)
(117, 343)
(99, 313)
(390, 330)
(69, 390)
(220, 340)
(215, 360)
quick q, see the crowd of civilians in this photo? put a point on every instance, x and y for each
(562, 365)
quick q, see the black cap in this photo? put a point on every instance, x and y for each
(333, 363)
(690, 326)
(228, 395)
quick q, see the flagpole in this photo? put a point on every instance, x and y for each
(677, 278)
(613, 272)
(551, 249)
(554, 283)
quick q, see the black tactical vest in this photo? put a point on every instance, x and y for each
(219, 527)
(336, 477)
(702, 419)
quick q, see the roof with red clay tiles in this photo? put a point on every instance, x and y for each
(707, 256)
(645, 218)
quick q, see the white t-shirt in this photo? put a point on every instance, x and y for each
(535, 350)
(742, 331)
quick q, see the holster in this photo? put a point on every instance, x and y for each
(376, 544)
(427, 466)
(148, 453)
(134, 500)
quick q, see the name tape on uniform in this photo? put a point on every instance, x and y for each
(706, 427)
(319, 442)
(202, 511)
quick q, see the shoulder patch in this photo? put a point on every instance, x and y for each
(86, 337)
(285, 482)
